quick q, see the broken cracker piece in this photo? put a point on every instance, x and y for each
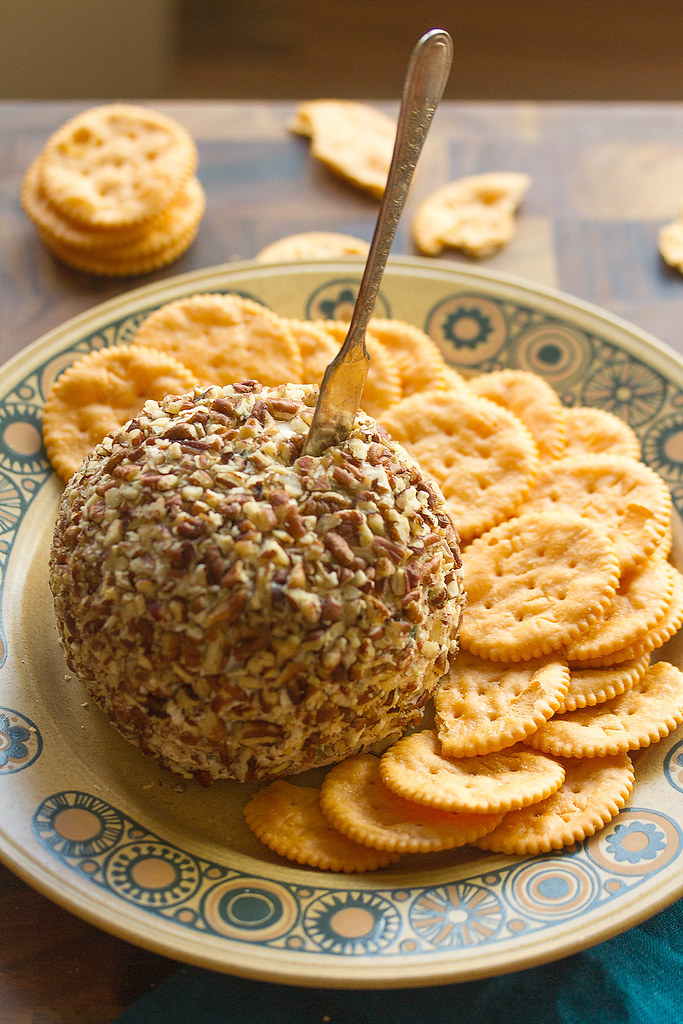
(353, 139)
(475, 214)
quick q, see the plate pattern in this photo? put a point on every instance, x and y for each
(118, 854)
(476, 330)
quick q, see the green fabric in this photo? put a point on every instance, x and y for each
(634, 978)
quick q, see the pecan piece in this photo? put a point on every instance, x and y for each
(339, 549)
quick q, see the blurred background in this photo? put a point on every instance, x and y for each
(294, 49)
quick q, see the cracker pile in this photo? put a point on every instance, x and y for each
(571, 592)
(114, 191)
(566, 541)
(218, 338)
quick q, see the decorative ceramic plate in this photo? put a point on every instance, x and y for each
(99, 828)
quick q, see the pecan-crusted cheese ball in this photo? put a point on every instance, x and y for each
(242, 611)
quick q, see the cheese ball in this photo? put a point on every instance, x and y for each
(241, 611)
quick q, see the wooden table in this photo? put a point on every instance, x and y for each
(605, 177)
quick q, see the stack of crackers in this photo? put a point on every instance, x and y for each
(114, 191)
(566, 540)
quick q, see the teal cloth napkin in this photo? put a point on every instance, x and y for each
(633, 978)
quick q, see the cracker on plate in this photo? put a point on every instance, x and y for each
(645, 713)
(640, 601)
(100, 392)
(589, 686)
(355, 801)
(533, 400)
(593, 792)
(483, 706)
(224, 338)
(535, 583)
(628, 498)
(666, 626)
(383, 384)
(415, 767)
(590, 429)
(417, 358)
(481, 455)
(288, 820)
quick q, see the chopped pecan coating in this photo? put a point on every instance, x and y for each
(241, 611)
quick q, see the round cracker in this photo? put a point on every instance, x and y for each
(418, 360)
(642, 597)
(647, 712)
(415, 768)
(383, 384)
(482, 456)
(314, 245)
(101, 392)
(356, 802)
(130, 266)
(317, 345)
(530, 398)
(664, 628)
(590, 686)
(159, 243)
(55, 226)
(115, 165)
(534, 584)
(630, 500)
(599, 432)
(593, 792)
(483, 706)
(224, 338)
(288, 820)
